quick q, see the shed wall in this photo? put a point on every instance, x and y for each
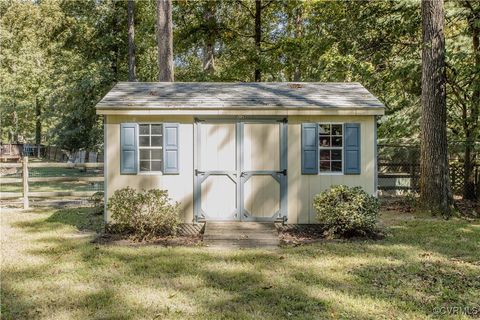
(179, 186)
(303, 188)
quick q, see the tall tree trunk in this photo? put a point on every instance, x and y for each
(435, 178)
(258, 39)
(15, 132)
(132, 73)
(38, 125)
(297, 73)
(209, 48)
(471, 125)
(165, 40)
(468, 167)
(114, 46)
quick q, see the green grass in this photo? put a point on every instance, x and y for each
(52, 270)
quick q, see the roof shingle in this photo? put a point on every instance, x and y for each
(256, 95)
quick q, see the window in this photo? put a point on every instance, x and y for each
(150, 139)
(330, 148)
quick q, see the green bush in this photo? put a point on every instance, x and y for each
(347, 211)
(146, 213)
(97, 202)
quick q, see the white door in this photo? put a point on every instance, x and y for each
(263, 171)
(240, 170)
(217, 171)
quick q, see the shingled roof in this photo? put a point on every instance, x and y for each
(235, 96)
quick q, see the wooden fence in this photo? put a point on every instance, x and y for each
(394, 176)
(24, 167)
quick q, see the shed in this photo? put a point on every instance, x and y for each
(240, 151)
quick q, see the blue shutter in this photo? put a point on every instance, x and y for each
(170, 148)
(128, 148)
(352, 148)
(309, 148)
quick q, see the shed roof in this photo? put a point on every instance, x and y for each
(179, 97)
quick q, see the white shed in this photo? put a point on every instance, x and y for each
(240, 151)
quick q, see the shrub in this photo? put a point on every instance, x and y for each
(146, 213)
(347, 211)
(97, 202)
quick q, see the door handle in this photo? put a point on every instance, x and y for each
(198, 172)
(284, 172)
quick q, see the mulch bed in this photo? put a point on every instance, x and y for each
(295, 235)
(128, 240)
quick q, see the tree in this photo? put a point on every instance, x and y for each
(209, 42)
(434, 170)
(38, 125)
(132, 74)
(298, 23)
(165, 40)
(258, 40)
(463, 86)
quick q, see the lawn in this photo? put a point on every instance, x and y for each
(52, 270)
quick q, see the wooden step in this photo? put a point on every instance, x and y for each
(243, 225)
(236, 236)
(219, 234)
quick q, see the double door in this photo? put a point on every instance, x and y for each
(241, 170)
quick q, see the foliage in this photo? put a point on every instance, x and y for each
(67, 54)
(97, 200)
(347, 211)
(146, 213)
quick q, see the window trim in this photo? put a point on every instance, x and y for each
(332, 173)
(149, 173)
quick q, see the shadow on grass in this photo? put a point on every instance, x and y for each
(409, 273)
(83, 219)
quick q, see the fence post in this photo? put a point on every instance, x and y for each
(26, 204)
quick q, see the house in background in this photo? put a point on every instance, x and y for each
(240, 151)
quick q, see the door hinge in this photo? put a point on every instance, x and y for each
(198, 172)
(284, 172)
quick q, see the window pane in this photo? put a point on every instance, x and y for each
(324, 165)
(144, 141)
(336, 154)
(156, 166)
(144, 129)
(156, 129)
(156, 141)
(336, 129)
(156, 154)
(324, 141)
(337, 166)
(144, 165)
(144, 154)
(324, 129)
(336, 141)
(324, 154)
